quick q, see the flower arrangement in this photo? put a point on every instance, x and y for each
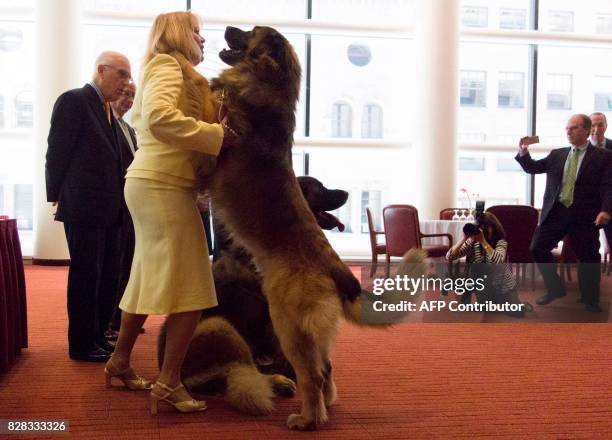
(467, 195)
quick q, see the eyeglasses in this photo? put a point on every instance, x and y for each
(123, 74)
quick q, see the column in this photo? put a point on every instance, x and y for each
(436, 101)
(57, 61)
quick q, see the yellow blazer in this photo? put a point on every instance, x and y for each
(169, 140)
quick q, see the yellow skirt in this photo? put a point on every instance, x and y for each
(171, 270)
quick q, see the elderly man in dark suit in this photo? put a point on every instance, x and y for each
(577, 200)
(599, 125)
(128, 147)
(84, 179)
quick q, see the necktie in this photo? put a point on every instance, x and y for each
(108, 111)
(567, 192)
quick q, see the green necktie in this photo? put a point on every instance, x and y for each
(567, 192)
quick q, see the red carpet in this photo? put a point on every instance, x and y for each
(414, 381)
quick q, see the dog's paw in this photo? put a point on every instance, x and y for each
(297, 421)
(329, 393)
(283, 386)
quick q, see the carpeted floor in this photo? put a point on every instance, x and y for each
(413, 381)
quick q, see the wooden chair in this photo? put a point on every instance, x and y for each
(402, 233)
(519, 223)
(448, 213)
(377, 248)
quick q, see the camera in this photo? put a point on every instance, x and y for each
(472, 229)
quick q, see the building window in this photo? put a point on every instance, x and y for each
(371, 199)
(473, 88)
(23, 206)
(603, 23)
(11, 39)
(371, 122)
(507, 164)
(512, 18)
(559, 94)
(24, 115)
(474, 16)
(603, 93)
(510, 94)
(341, 120)
(359, 54)
(467, 163)
(472, 138)
(560, 21)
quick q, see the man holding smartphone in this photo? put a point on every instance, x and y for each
(577, 200)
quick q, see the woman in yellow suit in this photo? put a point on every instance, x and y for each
(171, 272)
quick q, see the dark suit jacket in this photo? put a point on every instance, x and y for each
(126, 152)
(83, 167)
(593, 189)
(608, 144)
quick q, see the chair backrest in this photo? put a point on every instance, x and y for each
(519, 222)
(447, 213)
(401, 229)
(372, 230)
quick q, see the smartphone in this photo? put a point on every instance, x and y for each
(531, 140)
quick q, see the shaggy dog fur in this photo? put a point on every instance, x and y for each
(258, 199)
(220, 354)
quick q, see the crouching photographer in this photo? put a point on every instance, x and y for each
(485, 247)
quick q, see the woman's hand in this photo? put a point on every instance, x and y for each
(480, 238)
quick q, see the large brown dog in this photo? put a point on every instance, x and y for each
(258, 198)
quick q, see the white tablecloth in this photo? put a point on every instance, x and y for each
(452, 227)
(455, 228)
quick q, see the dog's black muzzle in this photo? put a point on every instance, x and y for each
(237, 40)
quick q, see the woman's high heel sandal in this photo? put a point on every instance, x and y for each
(127, 376)
(185, 406)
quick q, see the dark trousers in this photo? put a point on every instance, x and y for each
(584, 238)
(126, 255)
(92, 283)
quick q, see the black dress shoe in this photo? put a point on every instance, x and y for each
(548, 298)
(111, 335)
(96, 355)
(107, 346)
(593, 308)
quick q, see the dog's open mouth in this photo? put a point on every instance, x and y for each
(237, 41)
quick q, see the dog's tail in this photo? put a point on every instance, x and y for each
(248, 390)
(413, 265)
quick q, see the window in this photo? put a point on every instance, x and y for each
(603, 23)
(23, 206)
(474, 16)
(359, 54)
(507, 164)
(603, 93)
(11, 39)
(24, 115)
(560, 21)
(510, 93)
(472, 138)
(473, 88)
(559, 92)
(467, 163)
(371, 199)
(512, 18)
(341, 120)
(371, 122)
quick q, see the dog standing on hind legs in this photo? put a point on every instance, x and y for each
(258, 199)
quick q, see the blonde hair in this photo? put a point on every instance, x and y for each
(171, 32)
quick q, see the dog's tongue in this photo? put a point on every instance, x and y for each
(329, 221)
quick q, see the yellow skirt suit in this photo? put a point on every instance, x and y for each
(171, 269)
